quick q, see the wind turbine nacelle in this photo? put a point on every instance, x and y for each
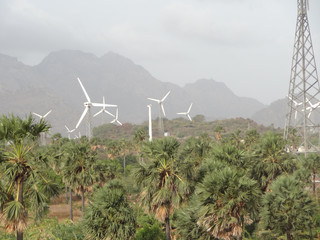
(87, 104)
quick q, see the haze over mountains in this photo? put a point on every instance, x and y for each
(53, 84)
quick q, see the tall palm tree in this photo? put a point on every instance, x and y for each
(271, 160)
(227, 198)
(312, 163)
(159, 178)
(80, 167)
(21, 169)
(287, 210)
(109, 214)
(191, 156)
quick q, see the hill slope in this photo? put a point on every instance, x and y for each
(52, 85)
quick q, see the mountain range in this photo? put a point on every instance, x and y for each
(53, 84)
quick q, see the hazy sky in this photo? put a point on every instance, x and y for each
(247, 44)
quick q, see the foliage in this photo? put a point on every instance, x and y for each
(23, 172)
(150, 232)
(287, 209)
(109, 215)
(228, 201)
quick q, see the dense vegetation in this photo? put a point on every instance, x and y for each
(216, 182)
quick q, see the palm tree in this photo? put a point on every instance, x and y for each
(161, 193)
(312, 163)
(287, 209)
(193, 152)
(228, 201)
(272, 160)
(80, 167)
(22, 170)
(109, 215)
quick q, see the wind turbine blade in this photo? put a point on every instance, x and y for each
(295, 115)
(84, 90)
(165, 96)
(98, 113)
(108, 112)
(103, 105)
(119, 122)
(182, 113)
(37, 115)
(189, 117)
(82, 116)
(117, 113)
(113, 121)
(153, 99)
(189, 108)
(67, 128)
(47, 113)
(72, 130)
(164, 113)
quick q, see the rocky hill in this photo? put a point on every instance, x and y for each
(52, 84)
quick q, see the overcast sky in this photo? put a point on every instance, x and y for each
(247, 44)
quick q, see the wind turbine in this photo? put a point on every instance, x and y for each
(42, 134)
(296, 105)
(116, 119)
(40, 116)
(161, 108)
(87, 105)
(312, 107)
(69, 131)
(104, 108)
(187, 113)
(150, 123)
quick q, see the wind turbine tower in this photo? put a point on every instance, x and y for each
(150, 123)
(161, 111)
(303, 96)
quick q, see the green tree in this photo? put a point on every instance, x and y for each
(312, 163)
(159, 178)
(22, 171)
(80, 167)
(228, 201)
(287, 209)
(272, 160)
(193, 152)
(109, 215)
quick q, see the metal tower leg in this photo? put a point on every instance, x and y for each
(303, 115)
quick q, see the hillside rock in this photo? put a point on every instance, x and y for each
(53, 84)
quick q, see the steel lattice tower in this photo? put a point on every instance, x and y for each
(303, 115)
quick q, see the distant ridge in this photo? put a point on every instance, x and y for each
(52, 85)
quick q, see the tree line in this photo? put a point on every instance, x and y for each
(240, 186)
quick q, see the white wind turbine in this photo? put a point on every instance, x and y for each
(296, 105)
(312, 107)
(187, 113)
(116, 119)
(86, 111)
(161, 108)
(104, 108)
(40, 116)
(69, 131)
(42, 134)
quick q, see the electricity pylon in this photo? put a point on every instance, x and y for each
(303, 114)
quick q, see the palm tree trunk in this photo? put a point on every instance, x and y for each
(82, 201)
(20, 200)
(124, 165)
(66, 194)
(314, 183)
(70, 201)
(167, 221)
